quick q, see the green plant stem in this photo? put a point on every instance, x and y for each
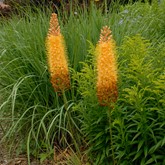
(65, 100)
(110, 131)
(57, 100)
(105, 3)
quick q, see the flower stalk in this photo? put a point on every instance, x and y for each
(107, 76)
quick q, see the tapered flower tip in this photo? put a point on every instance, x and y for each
(105, 34)
(54, 28)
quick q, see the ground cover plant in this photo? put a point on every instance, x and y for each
(45, 122)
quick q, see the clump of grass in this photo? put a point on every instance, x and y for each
(30, 104)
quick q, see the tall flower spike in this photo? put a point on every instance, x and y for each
(106, 68)
(56, 56)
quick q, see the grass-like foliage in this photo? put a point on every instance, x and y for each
(30, 105)
(35, 116)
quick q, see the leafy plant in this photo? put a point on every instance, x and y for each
(139, 121)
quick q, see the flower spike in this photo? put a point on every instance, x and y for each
(106, 68)
(56, 56)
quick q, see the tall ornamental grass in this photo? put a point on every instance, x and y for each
(39, 118)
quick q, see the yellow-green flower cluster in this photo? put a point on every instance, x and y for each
(56, 56)
(106, 68)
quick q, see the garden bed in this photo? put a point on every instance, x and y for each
(111, 112)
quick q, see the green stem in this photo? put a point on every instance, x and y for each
(57, 101)
(65, 100)
(110, 131)
(105, 3)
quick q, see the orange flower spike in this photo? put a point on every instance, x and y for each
(56, 57)
(106, 68)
